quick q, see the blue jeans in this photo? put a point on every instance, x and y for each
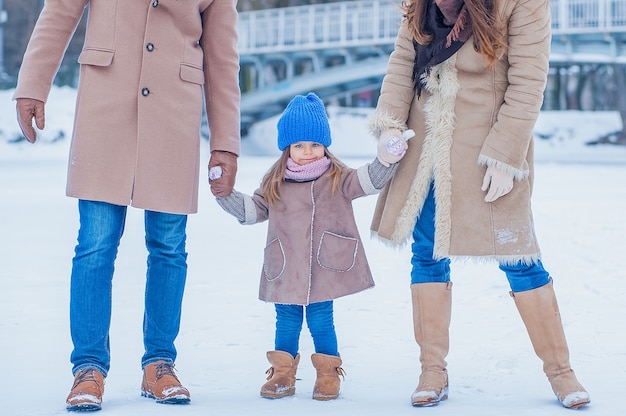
(425, 269)
(319, 319)
(101, 228)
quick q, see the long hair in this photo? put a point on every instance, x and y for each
(489, 36)
(275, 176)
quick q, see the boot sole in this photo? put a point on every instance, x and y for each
(430, 403)
(269, 395)
(85, 407)
(578, 405)
(168, 400)
(324, 398)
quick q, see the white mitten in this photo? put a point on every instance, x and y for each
(392, 145)
(498, 182)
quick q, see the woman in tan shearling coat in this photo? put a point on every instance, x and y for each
(145, 69)
(468, 78)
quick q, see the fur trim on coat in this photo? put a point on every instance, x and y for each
(469, 116)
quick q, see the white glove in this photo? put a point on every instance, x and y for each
(498, 182)
(392, 146)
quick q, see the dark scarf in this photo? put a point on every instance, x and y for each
(450, 24)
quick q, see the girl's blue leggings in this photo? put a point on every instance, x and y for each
(319, 319)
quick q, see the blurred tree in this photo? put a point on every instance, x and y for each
(21, 19)
(22, 15)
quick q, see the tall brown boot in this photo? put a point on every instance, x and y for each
(328, 371)
(432, 310)
(540, 313)
(281, 375)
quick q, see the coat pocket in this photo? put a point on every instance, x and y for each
(274, 260)
(96, 57)
(191, 73)
(336, 252)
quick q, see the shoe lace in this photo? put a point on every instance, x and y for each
(84, 376)
(165, 369)
(341, 372)
(270, 373)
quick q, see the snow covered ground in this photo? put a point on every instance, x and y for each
(580, 213)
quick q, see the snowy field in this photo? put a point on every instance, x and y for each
(580, 212)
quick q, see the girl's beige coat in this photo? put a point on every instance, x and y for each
(313, 252)
(140, 96)
(468, 116)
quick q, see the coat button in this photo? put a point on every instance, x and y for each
(145, 92)
(150, 47)
(155, 3)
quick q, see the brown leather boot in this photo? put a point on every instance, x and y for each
(432, 309)
(328, 371)
(160, 383)
(86, 394)
(540, 312)
(281, 375)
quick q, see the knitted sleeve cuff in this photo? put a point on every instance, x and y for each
(234, 205)
(380, 174)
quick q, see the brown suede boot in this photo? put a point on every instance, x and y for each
(540, 312)
(160, 383)
(432, 309)
(86, 394)
(281, 375)
(328, 371)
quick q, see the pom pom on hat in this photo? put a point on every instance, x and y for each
(304, 120)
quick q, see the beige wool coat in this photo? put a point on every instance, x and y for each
(313, 251)
(144, 68)
(468, 117)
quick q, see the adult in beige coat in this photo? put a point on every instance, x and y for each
(145, 67)
(468, 78)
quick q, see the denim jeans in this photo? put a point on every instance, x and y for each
(319, 319)
(425, 269)
(101, 228)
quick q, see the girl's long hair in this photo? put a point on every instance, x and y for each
(275, 176)
(489, 36)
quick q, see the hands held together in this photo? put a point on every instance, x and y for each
(392, 145)
(222, 172)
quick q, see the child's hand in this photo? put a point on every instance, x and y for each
(222, 180)
(392, 145)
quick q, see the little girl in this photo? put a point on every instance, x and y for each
(314, 253)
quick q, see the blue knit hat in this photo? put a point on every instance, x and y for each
(304, 120)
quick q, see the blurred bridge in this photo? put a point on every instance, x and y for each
(340, 50)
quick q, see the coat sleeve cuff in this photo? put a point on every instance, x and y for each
(381, 121)
(517, 174)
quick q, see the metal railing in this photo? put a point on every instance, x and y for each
(588, 16)
(323, 26)
(375, 22)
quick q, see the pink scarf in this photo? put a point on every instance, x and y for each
(308, 172)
